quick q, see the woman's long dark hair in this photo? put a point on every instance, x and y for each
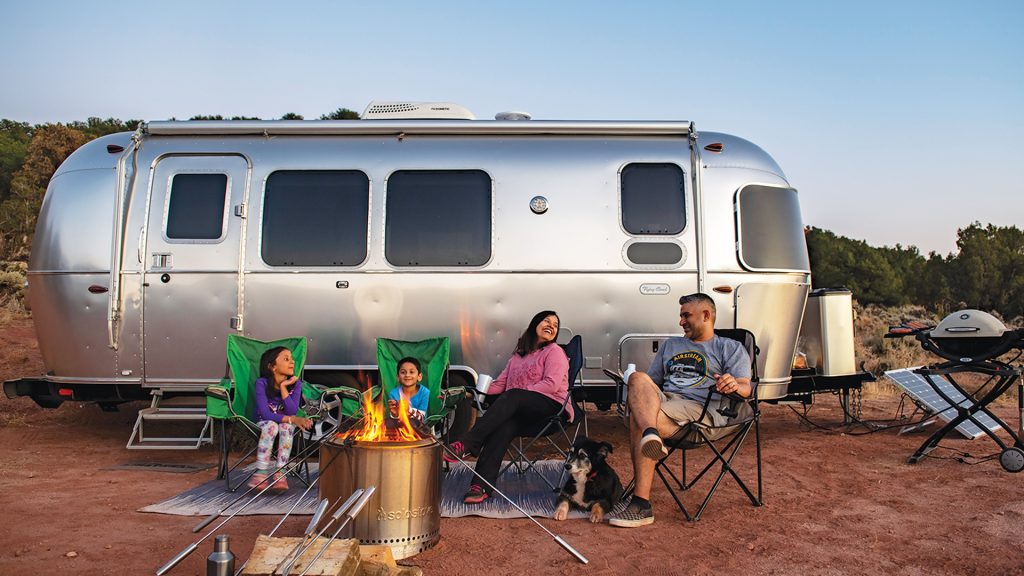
(266, 369)
(528, 341)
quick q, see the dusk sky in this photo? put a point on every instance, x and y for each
(898, 122)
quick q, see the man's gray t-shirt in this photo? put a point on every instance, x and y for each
(688, 368)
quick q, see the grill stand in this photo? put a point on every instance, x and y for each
(1012, 457)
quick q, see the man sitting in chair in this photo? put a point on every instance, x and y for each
(672, 394)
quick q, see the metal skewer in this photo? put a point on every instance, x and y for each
(290, 466)
(356, 509)
(557, 538)
(306, 542)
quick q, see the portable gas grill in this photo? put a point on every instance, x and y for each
(971, 341)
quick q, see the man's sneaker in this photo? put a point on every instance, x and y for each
(632, 517)
(477, 495)
(652, 447)
(458, 449)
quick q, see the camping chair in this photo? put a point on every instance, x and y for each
(433, 356)
(233, 401)
(723, 441)
(558, 424)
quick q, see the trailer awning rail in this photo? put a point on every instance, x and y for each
(419, 127)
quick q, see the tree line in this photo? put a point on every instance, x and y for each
(986, 271)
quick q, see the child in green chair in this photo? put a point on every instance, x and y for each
(418, 397)
(278, 394)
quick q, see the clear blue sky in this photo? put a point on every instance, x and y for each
(898, 122)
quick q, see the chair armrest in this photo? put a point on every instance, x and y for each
(342, 391)
(219, 393)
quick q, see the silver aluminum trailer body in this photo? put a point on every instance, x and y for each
(126, 300)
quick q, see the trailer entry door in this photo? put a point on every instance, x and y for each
(190, 289)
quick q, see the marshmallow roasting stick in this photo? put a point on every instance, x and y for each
(306, 542)
(357, 507)
(557, 538)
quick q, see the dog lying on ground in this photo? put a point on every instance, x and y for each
(593, 484)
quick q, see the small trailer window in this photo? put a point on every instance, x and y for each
(438, 218)
(315, 218)
(195, 210)
(771, 231)
(653, 199)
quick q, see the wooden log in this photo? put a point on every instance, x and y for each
(375, 568)
(378, 553)
(268, 555)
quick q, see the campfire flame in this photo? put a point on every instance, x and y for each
(378, 426)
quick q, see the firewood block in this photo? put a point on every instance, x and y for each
(375, 568)
(340, 559)
(377, 553)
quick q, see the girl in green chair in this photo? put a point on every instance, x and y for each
(278, 394)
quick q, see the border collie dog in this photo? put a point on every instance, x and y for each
(592, 485)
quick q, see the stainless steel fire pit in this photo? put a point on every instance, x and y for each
(404, 513)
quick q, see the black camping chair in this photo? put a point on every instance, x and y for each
(556, 428)
(724, 442)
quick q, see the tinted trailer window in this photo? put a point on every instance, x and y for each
(653, 199)
(315, 218)
(195, 210)
(771, 231)
(438, 218)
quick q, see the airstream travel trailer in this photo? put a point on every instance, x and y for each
(152, 247)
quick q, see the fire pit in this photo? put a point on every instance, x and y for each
(404, 512)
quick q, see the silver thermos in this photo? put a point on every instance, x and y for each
(221, 562)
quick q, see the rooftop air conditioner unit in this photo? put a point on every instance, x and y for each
(416, 111)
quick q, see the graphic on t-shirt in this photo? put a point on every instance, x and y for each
(687, 369)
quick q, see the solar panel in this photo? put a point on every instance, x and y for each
(924, 394)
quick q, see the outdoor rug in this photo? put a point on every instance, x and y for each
(528, 490)
(210, 497)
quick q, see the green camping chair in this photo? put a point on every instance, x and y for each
(233, 401)
(433, 356)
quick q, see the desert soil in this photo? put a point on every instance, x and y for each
(834, 503)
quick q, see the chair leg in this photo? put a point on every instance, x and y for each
(222, 457)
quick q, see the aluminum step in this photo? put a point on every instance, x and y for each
(177, 411)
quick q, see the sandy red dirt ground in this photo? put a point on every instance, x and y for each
(834, 503)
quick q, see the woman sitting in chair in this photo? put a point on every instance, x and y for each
(534, 386)
(278, 394)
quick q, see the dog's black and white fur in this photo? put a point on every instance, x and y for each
(593, 484)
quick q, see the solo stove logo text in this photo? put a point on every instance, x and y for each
(405, 514)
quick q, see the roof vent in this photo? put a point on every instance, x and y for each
(513, 115)
(416, 111)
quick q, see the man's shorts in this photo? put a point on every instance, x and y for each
(685, 410)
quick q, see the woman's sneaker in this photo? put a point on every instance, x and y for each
(475, 495)
(632, 517)
(456, 451)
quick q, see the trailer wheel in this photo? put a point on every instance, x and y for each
(330, 415)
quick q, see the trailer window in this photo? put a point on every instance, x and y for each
(315, 218)
(653, 199)
(195, 210)
(771, 231)
(438, 218)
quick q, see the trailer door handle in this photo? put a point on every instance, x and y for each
(97, 289)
